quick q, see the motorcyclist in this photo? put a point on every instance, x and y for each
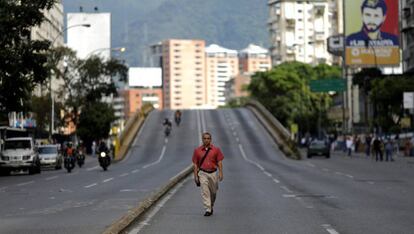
(104, 158)
(177, 117)
(80, 153)
(69, 151)
(168, 126)
(167, 122)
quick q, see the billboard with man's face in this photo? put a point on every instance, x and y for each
(372, 34)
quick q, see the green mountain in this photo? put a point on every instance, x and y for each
(136, 24)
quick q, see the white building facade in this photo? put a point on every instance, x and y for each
(93, 40)
(299, 30)
(221, 65)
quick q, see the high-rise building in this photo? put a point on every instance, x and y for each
(93, 40)
(254, 58)
(221, 65)
(50, 29)
(183, 74)
(299, 30)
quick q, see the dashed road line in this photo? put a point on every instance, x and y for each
(329, 229)
(91, 185)
(276, 181)
(52, 178)
(286, 189)
(107, 180)
(267, 173)
(350, 176)
(92, 168)
(311, 164)
(135, 171)
(25, 183)
(123, 175)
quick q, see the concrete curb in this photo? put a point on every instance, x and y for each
(124, 222)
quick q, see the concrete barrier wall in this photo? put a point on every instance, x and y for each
(131, 129)
(276, 130)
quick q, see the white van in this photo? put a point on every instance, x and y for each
(19, 153)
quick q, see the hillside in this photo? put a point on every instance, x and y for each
(136, 24)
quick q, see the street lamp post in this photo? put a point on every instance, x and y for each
(52, 114)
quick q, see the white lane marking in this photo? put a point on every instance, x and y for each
(248, 160)
(370, 182)
(52, 178)
(159, 159)
(325, 169)
(286, 189)
(276, 181)
(237, 139)
(153, 211)
(26, 183)
(234, 134)
(350, 176)
(91, 185)
(289, 195)
(128, 190)
(311, 164)
(166, 140)
(329, 229)
(107, 180)
(92, 168)
(135, 171)
(3, 188)
(267, 173)
(123, 175)
(339, 173)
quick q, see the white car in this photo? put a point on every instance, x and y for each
(50, 156)
(19, 153)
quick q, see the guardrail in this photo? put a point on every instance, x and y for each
(131, 129)
(276, 130)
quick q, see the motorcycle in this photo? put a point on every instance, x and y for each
(69, 163)
(104, 160)
(80, 158)
(167, 130)
(177, 120)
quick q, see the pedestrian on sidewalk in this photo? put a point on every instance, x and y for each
(206, 159)
(389, 147)
(349, 144)
(368, 140)
(377, 145)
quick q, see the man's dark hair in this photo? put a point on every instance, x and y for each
(374, 4)
(206, 133)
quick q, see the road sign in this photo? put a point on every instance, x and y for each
(408, 101)
(336, 85)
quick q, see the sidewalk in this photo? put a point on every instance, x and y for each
(360, 155)
(398, 158)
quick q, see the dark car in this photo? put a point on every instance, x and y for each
(318, 147)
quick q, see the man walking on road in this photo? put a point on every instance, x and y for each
(206, 159)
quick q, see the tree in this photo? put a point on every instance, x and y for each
(22, 60)
(284, 90)
(85, 81)
(387, 96)
(95, 122)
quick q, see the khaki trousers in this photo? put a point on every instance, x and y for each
(209, 187)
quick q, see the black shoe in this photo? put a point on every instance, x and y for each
(208, 213)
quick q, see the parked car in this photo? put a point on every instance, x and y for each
(50, 156)
(318, 147)
(19, 153)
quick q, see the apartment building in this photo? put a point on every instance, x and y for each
(407, 34)
(184, 83)
(221, 65)
(299, 30)
(254, 58)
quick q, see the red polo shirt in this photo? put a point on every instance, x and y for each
(213, 157)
